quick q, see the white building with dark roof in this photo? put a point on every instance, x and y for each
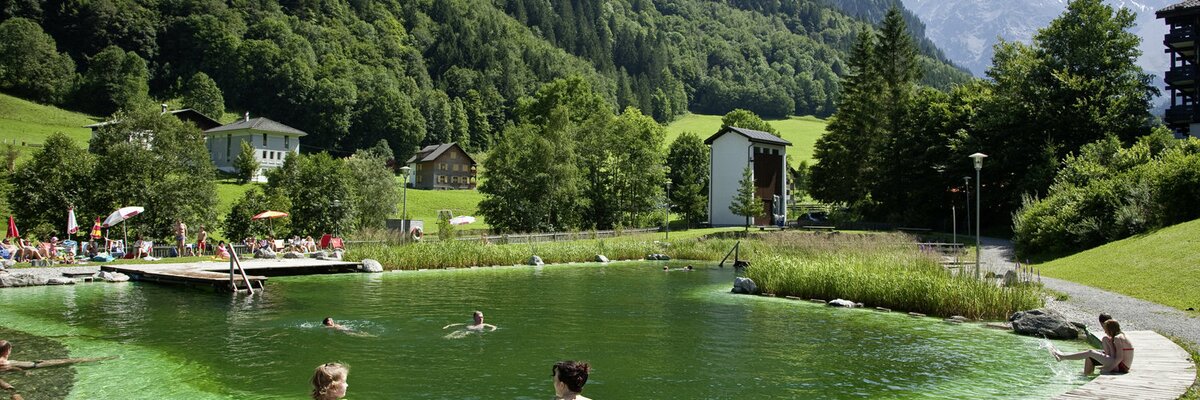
(731, 150)
(271, 140)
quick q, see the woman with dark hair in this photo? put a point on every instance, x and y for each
(569, 378)
(1118, 361)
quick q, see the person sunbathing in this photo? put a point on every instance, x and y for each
(221, 252)
(141, 248)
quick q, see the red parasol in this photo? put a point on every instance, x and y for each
(12, 228)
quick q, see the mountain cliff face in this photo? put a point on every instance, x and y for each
(966, 30)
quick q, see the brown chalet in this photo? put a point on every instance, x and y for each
(443, 167)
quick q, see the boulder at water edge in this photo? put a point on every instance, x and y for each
(841, 303)
(113, 276)
(535, 260)
(264, 253)
(1044, 323)
(369, 265)
(744, 286)
(60, 281)
(601, 258)
(19, 280)
(293, 254)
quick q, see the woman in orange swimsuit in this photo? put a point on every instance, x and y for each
(1118, 362)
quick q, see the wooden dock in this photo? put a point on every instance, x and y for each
(1161, 370)
(216, 274)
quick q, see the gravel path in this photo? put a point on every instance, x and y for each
(53, 272)
(1084, 303)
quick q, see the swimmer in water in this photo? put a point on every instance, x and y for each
(14, 365)
(476, 326)
(329, 323)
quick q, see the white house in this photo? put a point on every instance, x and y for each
(272, 141)
(731, 150)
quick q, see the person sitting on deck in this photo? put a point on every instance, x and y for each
(27, 251)
(1118, 361)
(310, 245)
(8, 251)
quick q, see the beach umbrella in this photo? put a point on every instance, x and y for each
(12, 228)
(269, 215)
(72, 226)
(97, 234)
(120, 216)
(462, 220)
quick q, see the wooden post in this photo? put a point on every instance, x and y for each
(234, 260)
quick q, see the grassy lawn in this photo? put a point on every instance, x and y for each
(424, 205)
(801, 131)
(29, 122)
(1162, 266)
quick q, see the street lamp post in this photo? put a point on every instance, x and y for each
(667, 217)
(978, 157)
(404, 211)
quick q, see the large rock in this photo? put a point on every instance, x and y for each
(369, 265)
(20, 280)
(535, 260)
(744, 286)
(841, 303)
(60, 281)
(1043, 323)
(601, 258)
(113, 276)
(293, 255)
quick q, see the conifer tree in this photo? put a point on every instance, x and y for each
(245, 163)
(745, 202)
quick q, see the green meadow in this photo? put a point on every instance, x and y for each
(801, 131)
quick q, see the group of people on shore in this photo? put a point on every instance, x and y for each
(295, 244)
(329, 379)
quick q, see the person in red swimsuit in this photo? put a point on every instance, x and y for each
(1118, 362)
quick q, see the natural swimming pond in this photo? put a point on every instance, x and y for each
(648, 334)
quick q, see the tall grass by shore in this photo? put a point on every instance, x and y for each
(880, 270)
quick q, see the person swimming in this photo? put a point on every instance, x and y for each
(477, 325)
(569, 378)
(328, 322)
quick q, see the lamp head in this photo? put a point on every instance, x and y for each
(404, 170)
(978, 157)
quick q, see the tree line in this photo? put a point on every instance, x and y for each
(420, 72)
(897, 151)
(156, 161)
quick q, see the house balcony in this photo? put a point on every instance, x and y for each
(1180, 115)
(1181, 38)
(1182, 76)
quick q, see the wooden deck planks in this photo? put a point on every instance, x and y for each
(1161, 370)
(216, 274)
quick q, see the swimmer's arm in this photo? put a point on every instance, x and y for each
(447, 326)
(4, 385)
(489, 326)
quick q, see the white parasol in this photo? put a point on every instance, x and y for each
(462, 220)
(120, 216)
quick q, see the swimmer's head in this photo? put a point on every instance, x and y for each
(5, 348)
(329, 381)
(569, 376)
(327, 321)
(665, 268)
(477, 316)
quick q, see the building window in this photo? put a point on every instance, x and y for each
(442, 167)
(228, 145)
(287, 142)
(264, 140)
(454, 167)
(419, 179)
(453, 155)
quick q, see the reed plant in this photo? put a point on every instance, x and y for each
(880, 271)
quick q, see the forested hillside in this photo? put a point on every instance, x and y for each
(418, 71)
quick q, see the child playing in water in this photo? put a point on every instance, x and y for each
(329, 381)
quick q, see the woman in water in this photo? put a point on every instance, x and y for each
(569, 378)
(1118, 361)
(329, 381)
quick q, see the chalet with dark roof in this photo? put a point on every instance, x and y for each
(442, 166)
(272, 142)
(1183, 82)
(731, 150)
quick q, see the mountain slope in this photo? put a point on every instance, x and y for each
(416, 72)
(966, 30)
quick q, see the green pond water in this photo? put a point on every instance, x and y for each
(649, 334)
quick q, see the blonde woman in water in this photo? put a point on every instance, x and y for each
(329, 381)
